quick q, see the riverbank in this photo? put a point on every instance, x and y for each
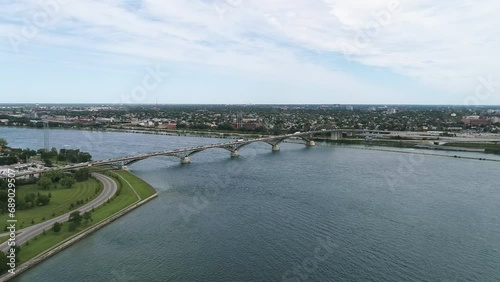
(488, 148)
(48, 244)
(372, 147)
(158, 131)
(473, 146)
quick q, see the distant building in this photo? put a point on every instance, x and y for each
(476, 120)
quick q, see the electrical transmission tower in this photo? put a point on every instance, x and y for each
(46, 135)
(239, 120)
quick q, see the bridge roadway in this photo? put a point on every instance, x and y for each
(185, 153)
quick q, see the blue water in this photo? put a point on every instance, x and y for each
(303, 214)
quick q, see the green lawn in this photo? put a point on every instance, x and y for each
(142, 187)
(60, 201)
(478, 145)
(126, 198)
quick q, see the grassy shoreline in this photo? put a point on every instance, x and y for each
(126, 197)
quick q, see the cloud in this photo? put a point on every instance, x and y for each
(446, 45)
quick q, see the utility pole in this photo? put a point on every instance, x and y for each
(46, 135)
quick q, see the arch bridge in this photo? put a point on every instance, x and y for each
(184, 154)
(233, 148)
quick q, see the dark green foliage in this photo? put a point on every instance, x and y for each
(56, 227)
(82, 174)
(43, 200)
(87, 216)
(44, 182)
(67, 182)
(75, 217)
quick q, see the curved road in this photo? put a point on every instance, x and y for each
(25, 234)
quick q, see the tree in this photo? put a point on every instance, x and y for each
(55, 175)
(3, 142)
(47, 162)
(43, 200)
(82, 174)
(67, 182)
(53, 152)
(87, 216)
(56, 227)
(44, 182)
(75, 217)
(3, 262)
(17, 249)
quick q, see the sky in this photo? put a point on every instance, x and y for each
(250, 52)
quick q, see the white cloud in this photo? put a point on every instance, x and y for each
(446, 45)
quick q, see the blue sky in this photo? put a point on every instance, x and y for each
(246, 51)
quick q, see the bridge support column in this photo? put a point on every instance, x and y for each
(336, 135)
(276, 148)
(310, 143)
(185, 160)
(235, 153)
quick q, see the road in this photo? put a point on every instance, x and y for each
(25, 234)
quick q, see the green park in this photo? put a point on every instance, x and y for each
(55, 193)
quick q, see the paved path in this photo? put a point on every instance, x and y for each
(25, 234)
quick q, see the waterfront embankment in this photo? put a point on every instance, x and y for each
(145, 194)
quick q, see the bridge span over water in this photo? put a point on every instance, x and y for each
(184, 154)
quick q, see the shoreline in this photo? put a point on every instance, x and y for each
(187, 133)
(237, 135)
(377, 148)
(74, 239)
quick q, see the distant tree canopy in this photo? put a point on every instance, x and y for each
(82, 174)
(44, 182)
(43, 200)
(7, 160)
(57, 178)
(73, 156)
(67, 182)
(13, 155)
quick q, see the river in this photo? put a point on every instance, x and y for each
(302, 214)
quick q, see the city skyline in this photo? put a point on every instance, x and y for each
(248, 52)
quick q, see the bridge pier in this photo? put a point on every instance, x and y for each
(336, 135)
(185, 160)
(276, 148)
(310, 143)
(235, 153)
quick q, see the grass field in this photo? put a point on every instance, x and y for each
(126, 198)
(60, 201)
(474, 145)
(144, 189)
(493, 148)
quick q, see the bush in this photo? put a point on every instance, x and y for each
(56, 227)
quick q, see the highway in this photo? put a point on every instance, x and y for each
(25, 234)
